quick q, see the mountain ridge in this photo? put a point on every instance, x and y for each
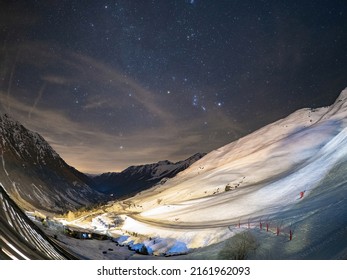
(36, 176)
(140, 177)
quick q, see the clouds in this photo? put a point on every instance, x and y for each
(92, 150)
(116, 123)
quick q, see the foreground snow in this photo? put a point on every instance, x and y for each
(271, 177)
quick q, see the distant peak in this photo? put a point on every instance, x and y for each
(5, 116)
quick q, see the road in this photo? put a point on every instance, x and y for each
(180, 225)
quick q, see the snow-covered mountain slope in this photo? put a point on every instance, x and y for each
(283, 174)
(35, 175)
(137, 178)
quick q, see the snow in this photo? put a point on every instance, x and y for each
(3, 164)
(267, 170)
(177, 248)
(122, 239)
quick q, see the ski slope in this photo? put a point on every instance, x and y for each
(272, 176)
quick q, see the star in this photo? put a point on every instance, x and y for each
(195, 100)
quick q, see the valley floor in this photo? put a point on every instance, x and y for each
(318, 224)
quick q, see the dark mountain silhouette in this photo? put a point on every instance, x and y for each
(36, 176)
(137, 178)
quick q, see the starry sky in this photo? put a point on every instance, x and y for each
(111, 84)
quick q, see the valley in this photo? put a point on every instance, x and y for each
(279, 193)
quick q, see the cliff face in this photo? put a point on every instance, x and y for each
(36, 176)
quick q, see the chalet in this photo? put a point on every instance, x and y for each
(82, 233)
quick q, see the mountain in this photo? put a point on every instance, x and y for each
(137, 178)
(36, 176)
(284, 184)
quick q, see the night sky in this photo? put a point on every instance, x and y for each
(111, 84)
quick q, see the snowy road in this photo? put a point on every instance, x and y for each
(184, 226)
